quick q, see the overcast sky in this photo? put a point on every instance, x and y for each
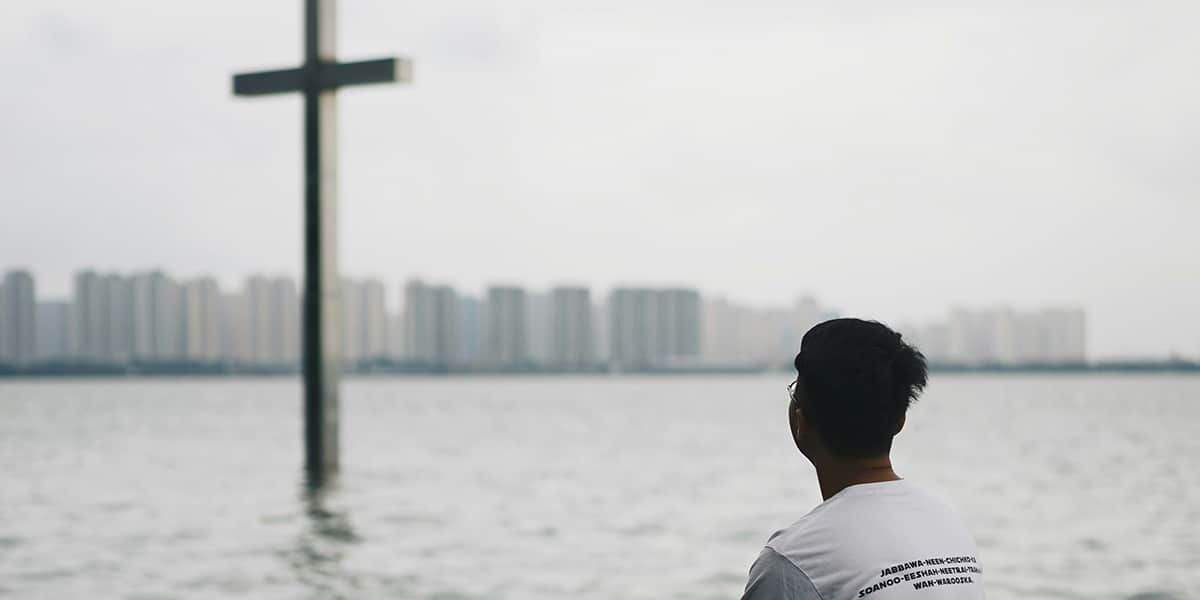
(895, 162)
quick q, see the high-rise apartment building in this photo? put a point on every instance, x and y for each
(633, 342)
(202, 320)
(364, 320)
(506, 331)
(274, 321)
(259, 317)
(537, 328)
(806, 313)
(374, 319)
(602, 330)
(102, 318)
(286, 326)
(351, 305)
(470, 329)
(53, 330)
(18, 307)
(679, 317)
(158, 320)
(395, 336)
(237, 335)
(572, 342)
(119, 327)
(431, 324)
(654, 328)
(88, 317)
(721, 329)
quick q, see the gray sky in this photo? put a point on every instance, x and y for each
(893, 161)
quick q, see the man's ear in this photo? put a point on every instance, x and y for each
(901, 424)
(799, 423)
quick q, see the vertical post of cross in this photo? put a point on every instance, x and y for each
(321, 295)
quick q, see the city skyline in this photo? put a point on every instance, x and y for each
(152, 317)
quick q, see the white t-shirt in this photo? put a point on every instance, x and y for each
(878, 541)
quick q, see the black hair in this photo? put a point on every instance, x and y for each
(858, 379)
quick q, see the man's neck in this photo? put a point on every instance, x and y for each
(837, 475)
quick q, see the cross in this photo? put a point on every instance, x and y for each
(318, 79)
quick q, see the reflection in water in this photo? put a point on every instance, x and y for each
(317, 558)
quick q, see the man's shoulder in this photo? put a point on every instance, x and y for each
(816, 532)
(869, 523)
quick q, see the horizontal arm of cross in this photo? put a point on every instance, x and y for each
(335, 75)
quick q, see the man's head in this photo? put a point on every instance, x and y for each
(855, 380)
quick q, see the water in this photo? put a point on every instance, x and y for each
(526, 488)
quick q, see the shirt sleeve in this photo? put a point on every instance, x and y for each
(773, 577)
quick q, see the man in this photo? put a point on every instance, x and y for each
(875, 535)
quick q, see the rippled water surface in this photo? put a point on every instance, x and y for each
(525, 488)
